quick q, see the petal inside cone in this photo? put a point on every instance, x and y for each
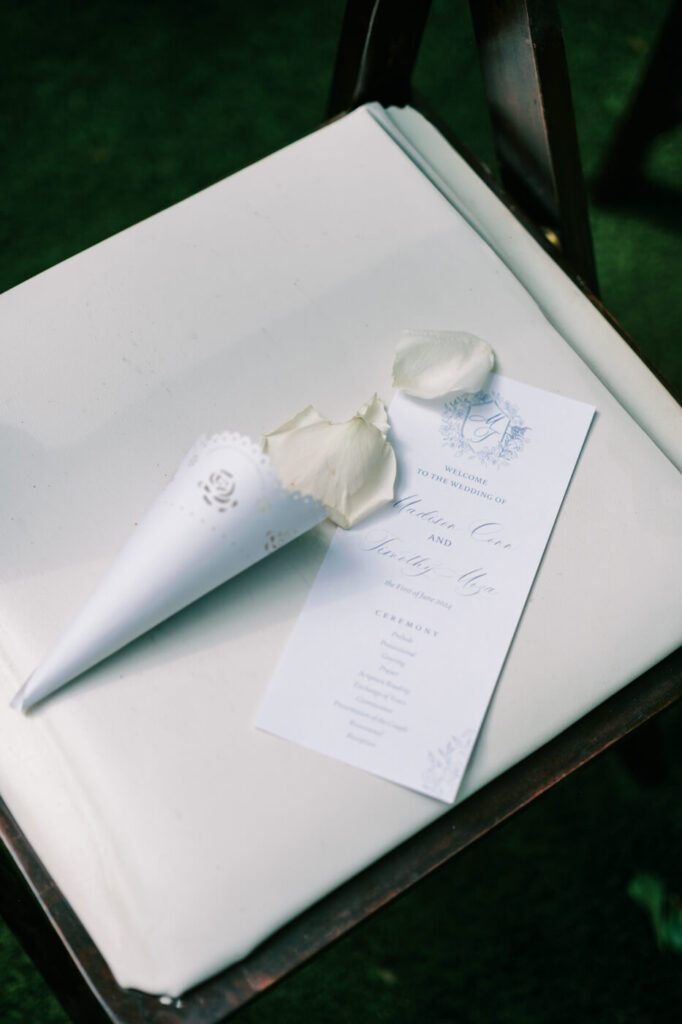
(429, 364)
(374, 412)
(349, 466)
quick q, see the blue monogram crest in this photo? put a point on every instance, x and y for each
(485, 427)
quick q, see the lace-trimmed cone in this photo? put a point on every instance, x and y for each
(224, 510)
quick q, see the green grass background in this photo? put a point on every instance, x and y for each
(112, 111)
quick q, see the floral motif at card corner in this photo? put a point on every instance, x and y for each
(484, 426)
(446, 764)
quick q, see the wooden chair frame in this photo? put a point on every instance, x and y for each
(527, 87)
(378, 48)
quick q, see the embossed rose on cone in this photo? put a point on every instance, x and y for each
(218, 490)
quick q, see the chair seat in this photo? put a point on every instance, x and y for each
(181, 835)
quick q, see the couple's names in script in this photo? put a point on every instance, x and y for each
(456, 541)
(486, 531)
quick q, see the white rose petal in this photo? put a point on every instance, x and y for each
(375, 413)
(349, 466)
(428, 364)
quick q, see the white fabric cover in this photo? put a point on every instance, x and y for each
(181, 835)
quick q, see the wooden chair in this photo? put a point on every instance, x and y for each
(527, 87)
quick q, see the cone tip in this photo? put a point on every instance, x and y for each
(18, 702)
(26, 697)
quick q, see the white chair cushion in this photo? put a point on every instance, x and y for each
(182, 836)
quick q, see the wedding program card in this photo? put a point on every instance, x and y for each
(395, 657)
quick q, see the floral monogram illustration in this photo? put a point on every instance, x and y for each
(484, 426)
(218, 490)
(446, 764)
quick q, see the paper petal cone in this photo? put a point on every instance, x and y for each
(223, 511)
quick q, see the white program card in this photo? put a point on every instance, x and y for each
(395, 657)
